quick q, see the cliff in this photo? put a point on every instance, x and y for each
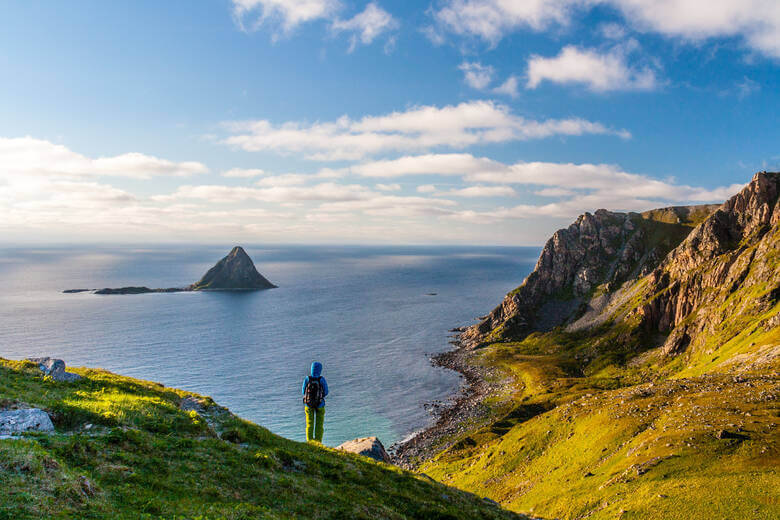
(675, 277)
(592, 257)
(636, 370)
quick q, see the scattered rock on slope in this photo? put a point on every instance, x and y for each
(20, 421)
(55, 368)
(368, 447)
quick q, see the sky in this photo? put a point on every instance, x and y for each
(382, 122)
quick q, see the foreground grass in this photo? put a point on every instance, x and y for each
(124, 449)
(650, 451)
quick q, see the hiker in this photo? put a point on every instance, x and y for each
(314, 390)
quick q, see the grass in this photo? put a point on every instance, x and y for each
(124, 449)
(636, 452)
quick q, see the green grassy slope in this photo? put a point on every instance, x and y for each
(634, 451)
(123, 448)
(606, 421)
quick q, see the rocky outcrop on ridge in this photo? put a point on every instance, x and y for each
(655, 273)
(727, 267)
(598, 251)
(235, 271)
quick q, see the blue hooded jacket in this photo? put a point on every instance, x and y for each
(316, 370)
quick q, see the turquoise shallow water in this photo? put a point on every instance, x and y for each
(364, 312)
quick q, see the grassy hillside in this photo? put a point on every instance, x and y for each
(124, 448)
(657, 399)
(569, 445)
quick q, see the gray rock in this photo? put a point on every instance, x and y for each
(368, 447)
(54, 368)
(235, 271)
(192, 404)
(20, 421)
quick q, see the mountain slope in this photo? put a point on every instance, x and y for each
(655, 393)
(128, 449)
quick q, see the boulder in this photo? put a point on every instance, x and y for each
(55, 368)
(368, 447)
(20, 421)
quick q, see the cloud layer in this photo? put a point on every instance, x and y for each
(416, 129)
(755, 22)
(48, 188)
(599, 72)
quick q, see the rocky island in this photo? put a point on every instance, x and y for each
(235, 272)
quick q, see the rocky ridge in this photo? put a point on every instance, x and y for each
(581, 263)
(615, 269)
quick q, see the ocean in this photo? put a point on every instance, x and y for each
(372, 315)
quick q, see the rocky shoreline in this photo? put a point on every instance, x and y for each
(450, 418)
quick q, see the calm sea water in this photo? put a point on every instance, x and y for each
(365, 313)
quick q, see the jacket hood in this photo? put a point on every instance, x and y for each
(316, 369)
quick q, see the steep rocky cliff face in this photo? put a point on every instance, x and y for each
(693, 276)
(726, 269)
(590, 258)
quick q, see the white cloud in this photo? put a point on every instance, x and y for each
(599, 72)
(508, 88)
(747, 87)
(476, 75)
(554, 192)
(429, 164)
(243, 173)
(756, 22)
(367, 25)
(36, 157)
(480, 191)
(418, 128)
(281, 194)
(392, 206)
(491, 19)
(286, 179)
(426, 188)
(580, 187)
(480, 77)
(612, 31)
(287, 13)
(388, 187)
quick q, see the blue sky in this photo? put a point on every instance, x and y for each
(452, 121)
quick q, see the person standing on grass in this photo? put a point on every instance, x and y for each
(314, 390)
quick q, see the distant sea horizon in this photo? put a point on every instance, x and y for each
(373, 315)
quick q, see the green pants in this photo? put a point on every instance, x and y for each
(315, 423)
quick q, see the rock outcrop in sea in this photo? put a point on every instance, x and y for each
(235, 272)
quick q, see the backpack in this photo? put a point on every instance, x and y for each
(313, 395)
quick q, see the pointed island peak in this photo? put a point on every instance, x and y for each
(235, 271)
